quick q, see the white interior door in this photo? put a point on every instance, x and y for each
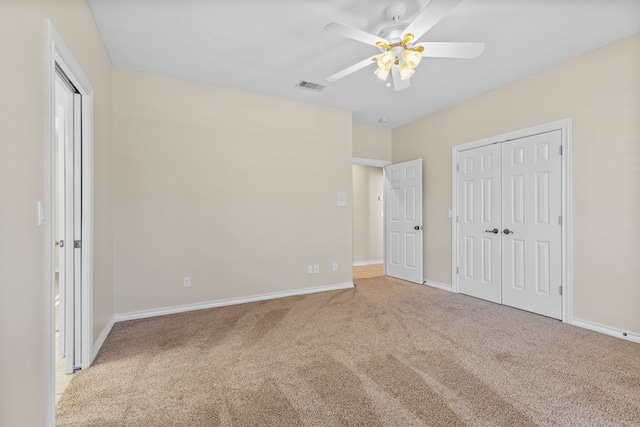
(532, 231)
(509, 225)
(479, 222)
(77, 229)
(403, 221)
(70, 213)
(60, 215)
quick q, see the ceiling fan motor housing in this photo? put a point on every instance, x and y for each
(392, 33)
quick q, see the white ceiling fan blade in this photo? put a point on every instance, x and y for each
(353, 33)
(451, 50)
(429, 16)
(352, 69)
(398, 83)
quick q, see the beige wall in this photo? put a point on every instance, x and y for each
(23, 111)
(236, 190)
(600, 91)
(367, 213)
(371, 142)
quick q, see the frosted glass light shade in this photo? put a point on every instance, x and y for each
(411, 57)
(406, 71)
(386, 59)
(382, 73)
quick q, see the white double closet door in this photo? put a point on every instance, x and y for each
(510, 225)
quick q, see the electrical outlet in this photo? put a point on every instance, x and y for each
(335, 266)
(310, 269)
(187, 282)
(316, 268)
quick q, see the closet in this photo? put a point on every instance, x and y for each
(509, 236)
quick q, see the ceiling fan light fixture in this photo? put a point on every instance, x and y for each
(406, 71)
(411, 57)
(386, 59)
(383, 73)
(399, 55)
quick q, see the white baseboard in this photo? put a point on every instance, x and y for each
(225, 302)
(606, 330)
(438, 285)
(363, 263)
(103, 336)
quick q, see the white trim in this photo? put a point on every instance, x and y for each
(370, 162)
(101, 339)
(57, 52)
(438, 285)
(87, 230)
(364, 263)
(565, 126)
(567, 220)
(49, 263)
(229, 301)
(606, 330)
(454, 219)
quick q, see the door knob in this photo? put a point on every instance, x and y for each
(60, 243)
(494, 231)
(507, 231)
(417, 227)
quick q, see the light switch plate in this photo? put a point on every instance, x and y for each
(342, 199)
(41, 215)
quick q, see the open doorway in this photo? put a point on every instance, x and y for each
(368, 219)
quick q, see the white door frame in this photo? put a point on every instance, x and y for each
(58, 53)
(565, 126)
(376, 164)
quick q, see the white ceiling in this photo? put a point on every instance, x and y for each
(268, 46)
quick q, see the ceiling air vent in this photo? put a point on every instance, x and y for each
(310, 86)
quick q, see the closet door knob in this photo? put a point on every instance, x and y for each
(507, 231)
(494, 231)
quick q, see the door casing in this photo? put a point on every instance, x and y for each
(565, 126)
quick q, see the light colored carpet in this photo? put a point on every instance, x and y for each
(387, 353)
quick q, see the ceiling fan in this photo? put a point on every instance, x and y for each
(399, 52)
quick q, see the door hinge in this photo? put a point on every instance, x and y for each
(457, 270)
(457, 167)
(561, 150)
(77, 244)
(457, 218)
(560, 220)
(559, 290)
